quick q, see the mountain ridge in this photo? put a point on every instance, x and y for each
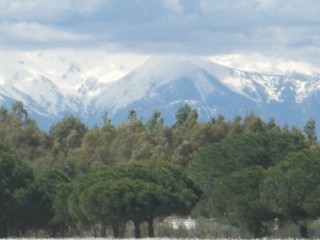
(88, 86)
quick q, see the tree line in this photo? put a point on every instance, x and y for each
(246, 172)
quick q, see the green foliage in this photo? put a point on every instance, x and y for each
(250, 172)
(311, 203)
(185, 115)
(235, 166)
(236, 198)
(291, 182)
(138, 192)
(310, 130)
(242, 151)
(21, 134)
(42, 194)
(15, 176)
(66, 134)
(62, 223)
(254, 123)
(120, 200)
(290, 188)
(155, 123)
(96, 151)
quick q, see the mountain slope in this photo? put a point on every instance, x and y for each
(165, 84)
(53, 84)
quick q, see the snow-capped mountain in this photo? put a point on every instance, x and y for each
(88, 84)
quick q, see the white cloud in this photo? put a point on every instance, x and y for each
(226, 5)
(276, 11)
(286, 27)
(36, 33)
(266, 3)
(174, 5)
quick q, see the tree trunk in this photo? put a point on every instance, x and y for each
(118, 229)
(257, 230)
(4, 231)
(150, 227)
(103, 230)
(137, 231)
(115, 229)
(122, 229)
(303, 231)
(93, 231)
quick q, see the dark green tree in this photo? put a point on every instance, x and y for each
(65, 137)
(236, 199)
(311, 204)
(66, 134)
(21, 134)
(254, 123)
(42, 194)
(185, 115)
(155, 123)
(15, 177)
(96, 150)
(118, 201)
(142, 190)
(62, 222)
(290, 187)
(310, 130)
(78, 217)
(131, 141)
(263, 149)
(233, 155)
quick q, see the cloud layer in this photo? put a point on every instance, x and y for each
(288, 28)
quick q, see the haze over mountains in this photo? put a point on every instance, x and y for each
(55, 83)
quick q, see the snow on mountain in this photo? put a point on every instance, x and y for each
(143, 81)
(60, 81)
(54, 83)
(263, 64)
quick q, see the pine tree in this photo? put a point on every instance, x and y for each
(310, 130)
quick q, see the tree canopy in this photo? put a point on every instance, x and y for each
(232, 171)
(138, 192)
(245, 172)
(15, 177)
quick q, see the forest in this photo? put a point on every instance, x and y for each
(248, 173)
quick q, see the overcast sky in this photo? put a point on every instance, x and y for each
(286, 28)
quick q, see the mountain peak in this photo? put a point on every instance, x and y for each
(88, 84)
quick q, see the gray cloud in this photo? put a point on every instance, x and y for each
(43, 10)
(280, 27)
